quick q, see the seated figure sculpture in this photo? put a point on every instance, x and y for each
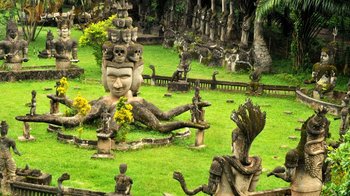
(66, 49)
(119, 81)
(183, 67)
(304, 165)
(237, 174)
(15, 50)
(123, 182)
(324, 73)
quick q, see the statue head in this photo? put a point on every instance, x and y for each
(135, 52)
(119, 78)
(113, 35)
(12, 29)
(119, 22)
(128, 22)
(120, 53)
(33, 93)
(126, 35)
(122, 168)
(64, 32)
(4, 128)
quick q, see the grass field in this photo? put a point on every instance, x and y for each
(151, 168)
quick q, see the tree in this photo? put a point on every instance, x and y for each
(308, 17)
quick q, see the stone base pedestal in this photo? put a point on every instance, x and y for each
(63, 64)
(199, 139)
(182, 86)
(12, 66)
(104, 147)
(54, 128)
(23, 139)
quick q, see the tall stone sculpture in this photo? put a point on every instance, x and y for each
(122, 47)
(303, 165)
(15, 50)
(7, 164)
(66, 49)
(237, 174)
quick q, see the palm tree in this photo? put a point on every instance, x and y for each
(308, 17)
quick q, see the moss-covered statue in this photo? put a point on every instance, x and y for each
(237, 174)
(324, 72)
(14, 50)
(49, 46)
(303, 165)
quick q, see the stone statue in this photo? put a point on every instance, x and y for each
(344, 116)
(49, 47)
(196, 112)
(15, 50)
(214, 81)
(66, 49)
(213, 25)
(237, 174)
(183, 67)
(123, 182)
(324, 73)
(105, 118)
(303, 166)
(7, 164)
(254, 85)
(32, 111)
(202, 20)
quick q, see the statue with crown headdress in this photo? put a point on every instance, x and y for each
(15, 50)
(65, 48)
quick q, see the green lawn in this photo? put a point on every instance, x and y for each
(150, 168)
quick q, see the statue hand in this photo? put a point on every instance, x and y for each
(178, 176)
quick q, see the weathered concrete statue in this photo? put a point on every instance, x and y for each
(32, 111)
(14, 49)
(66, 49)
(324, 73)
(49, 46)
(123, 182)
(183, 67)
(303, 165)
(237, 174)
(7, 164)
(344, 116)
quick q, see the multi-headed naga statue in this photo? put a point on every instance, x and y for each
(237, 174)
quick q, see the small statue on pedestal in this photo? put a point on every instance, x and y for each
(123, 182)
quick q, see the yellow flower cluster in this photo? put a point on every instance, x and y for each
(123, 113)
(82, 105)
(63, 87)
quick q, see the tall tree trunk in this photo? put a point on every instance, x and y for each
(261, 53)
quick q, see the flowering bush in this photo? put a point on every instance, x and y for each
(123, 116)
(81, 105)
(63, 87)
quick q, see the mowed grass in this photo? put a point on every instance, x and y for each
(150, 168)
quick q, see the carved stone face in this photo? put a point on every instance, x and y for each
(126, 36)
(119, 81)
(324, 58)
(134, 34)
(120, 22)
(128, 22)
(114, 36)
(12, 33)
(119, 53)
(137, 78)
(135, 53)
(64, 32)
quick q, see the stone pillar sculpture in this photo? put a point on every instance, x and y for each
(66, 49)
(197, 116)
(303, 166)
(7, 164)
(15, 50)
(26, 133)
(237, 174)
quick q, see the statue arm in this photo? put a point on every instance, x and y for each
(179, 177)
(15, 150)
(63, 100)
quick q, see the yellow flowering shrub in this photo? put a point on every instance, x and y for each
(63, 87)
(123, 116)
(123, 113)
(81, 105)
